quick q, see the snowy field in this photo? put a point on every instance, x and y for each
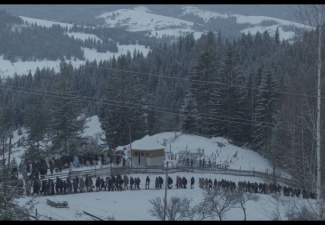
(134, 205)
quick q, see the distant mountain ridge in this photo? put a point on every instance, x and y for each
(164, 22)
(197, 20)
(205, 17)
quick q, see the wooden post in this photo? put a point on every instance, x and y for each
(130, 143)
(166, 186)
(36, 213)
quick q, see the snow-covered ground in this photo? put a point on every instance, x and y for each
(134, 205)
(255, 21)
(8, 69)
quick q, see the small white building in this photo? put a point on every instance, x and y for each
(147, 152)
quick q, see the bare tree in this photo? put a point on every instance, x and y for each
(274, 204)
(218, 202)
(200, 212)
(313, 15)
(243, 197)
(301, 209)
(178, 208)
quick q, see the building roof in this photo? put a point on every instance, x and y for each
(147, 143)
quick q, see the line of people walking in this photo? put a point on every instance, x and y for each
(86, 184)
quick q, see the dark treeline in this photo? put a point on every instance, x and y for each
(30, 42)
(107, 34)
(257, 91)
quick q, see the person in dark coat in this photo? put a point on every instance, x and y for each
(114, 186)
(126, 182)
(107, 182)
(36, 186)
(131, 183)
(192, 182)
(51, 167)
(57, 186)
(43, 191)
(120, 180)
(170, 182)
(147, 183)
(157, 183)
(161, 181)
(51, 187)
(102, 185)
(210, 184)
(45, 168)
(98, 183)
(59, 164)
(184, 182)
(36, 174)
(88, 183)
(137, 183)
(215, 183)
(82, 185)
(69, 186)
(110, 184)
(75, 186)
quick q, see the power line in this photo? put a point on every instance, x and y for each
(188, 79)
(168, 109)
(160, 109)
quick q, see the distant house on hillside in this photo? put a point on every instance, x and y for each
(147, 152)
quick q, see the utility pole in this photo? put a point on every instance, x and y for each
(166, 186)
(314, 14)
(130, 143)
(318, 142)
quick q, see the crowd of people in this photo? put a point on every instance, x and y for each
(41, 168)
(119, 183)
(254, 187)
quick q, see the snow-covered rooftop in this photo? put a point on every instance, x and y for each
(146, 143)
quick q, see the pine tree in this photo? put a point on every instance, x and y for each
(189, 115)
(202, 86)
(67, 123)
(152, 120)
(10, 190)
(122, 105)
(36, 124)
(266, 110)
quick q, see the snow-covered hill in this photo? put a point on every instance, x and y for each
(20, 67)
(236, 157)
(124, 205)
(255, 22)
(142, 19)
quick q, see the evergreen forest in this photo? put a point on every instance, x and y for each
(257, 91)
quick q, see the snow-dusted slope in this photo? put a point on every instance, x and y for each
(140, 19)
(7, 69)
(254, 20)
